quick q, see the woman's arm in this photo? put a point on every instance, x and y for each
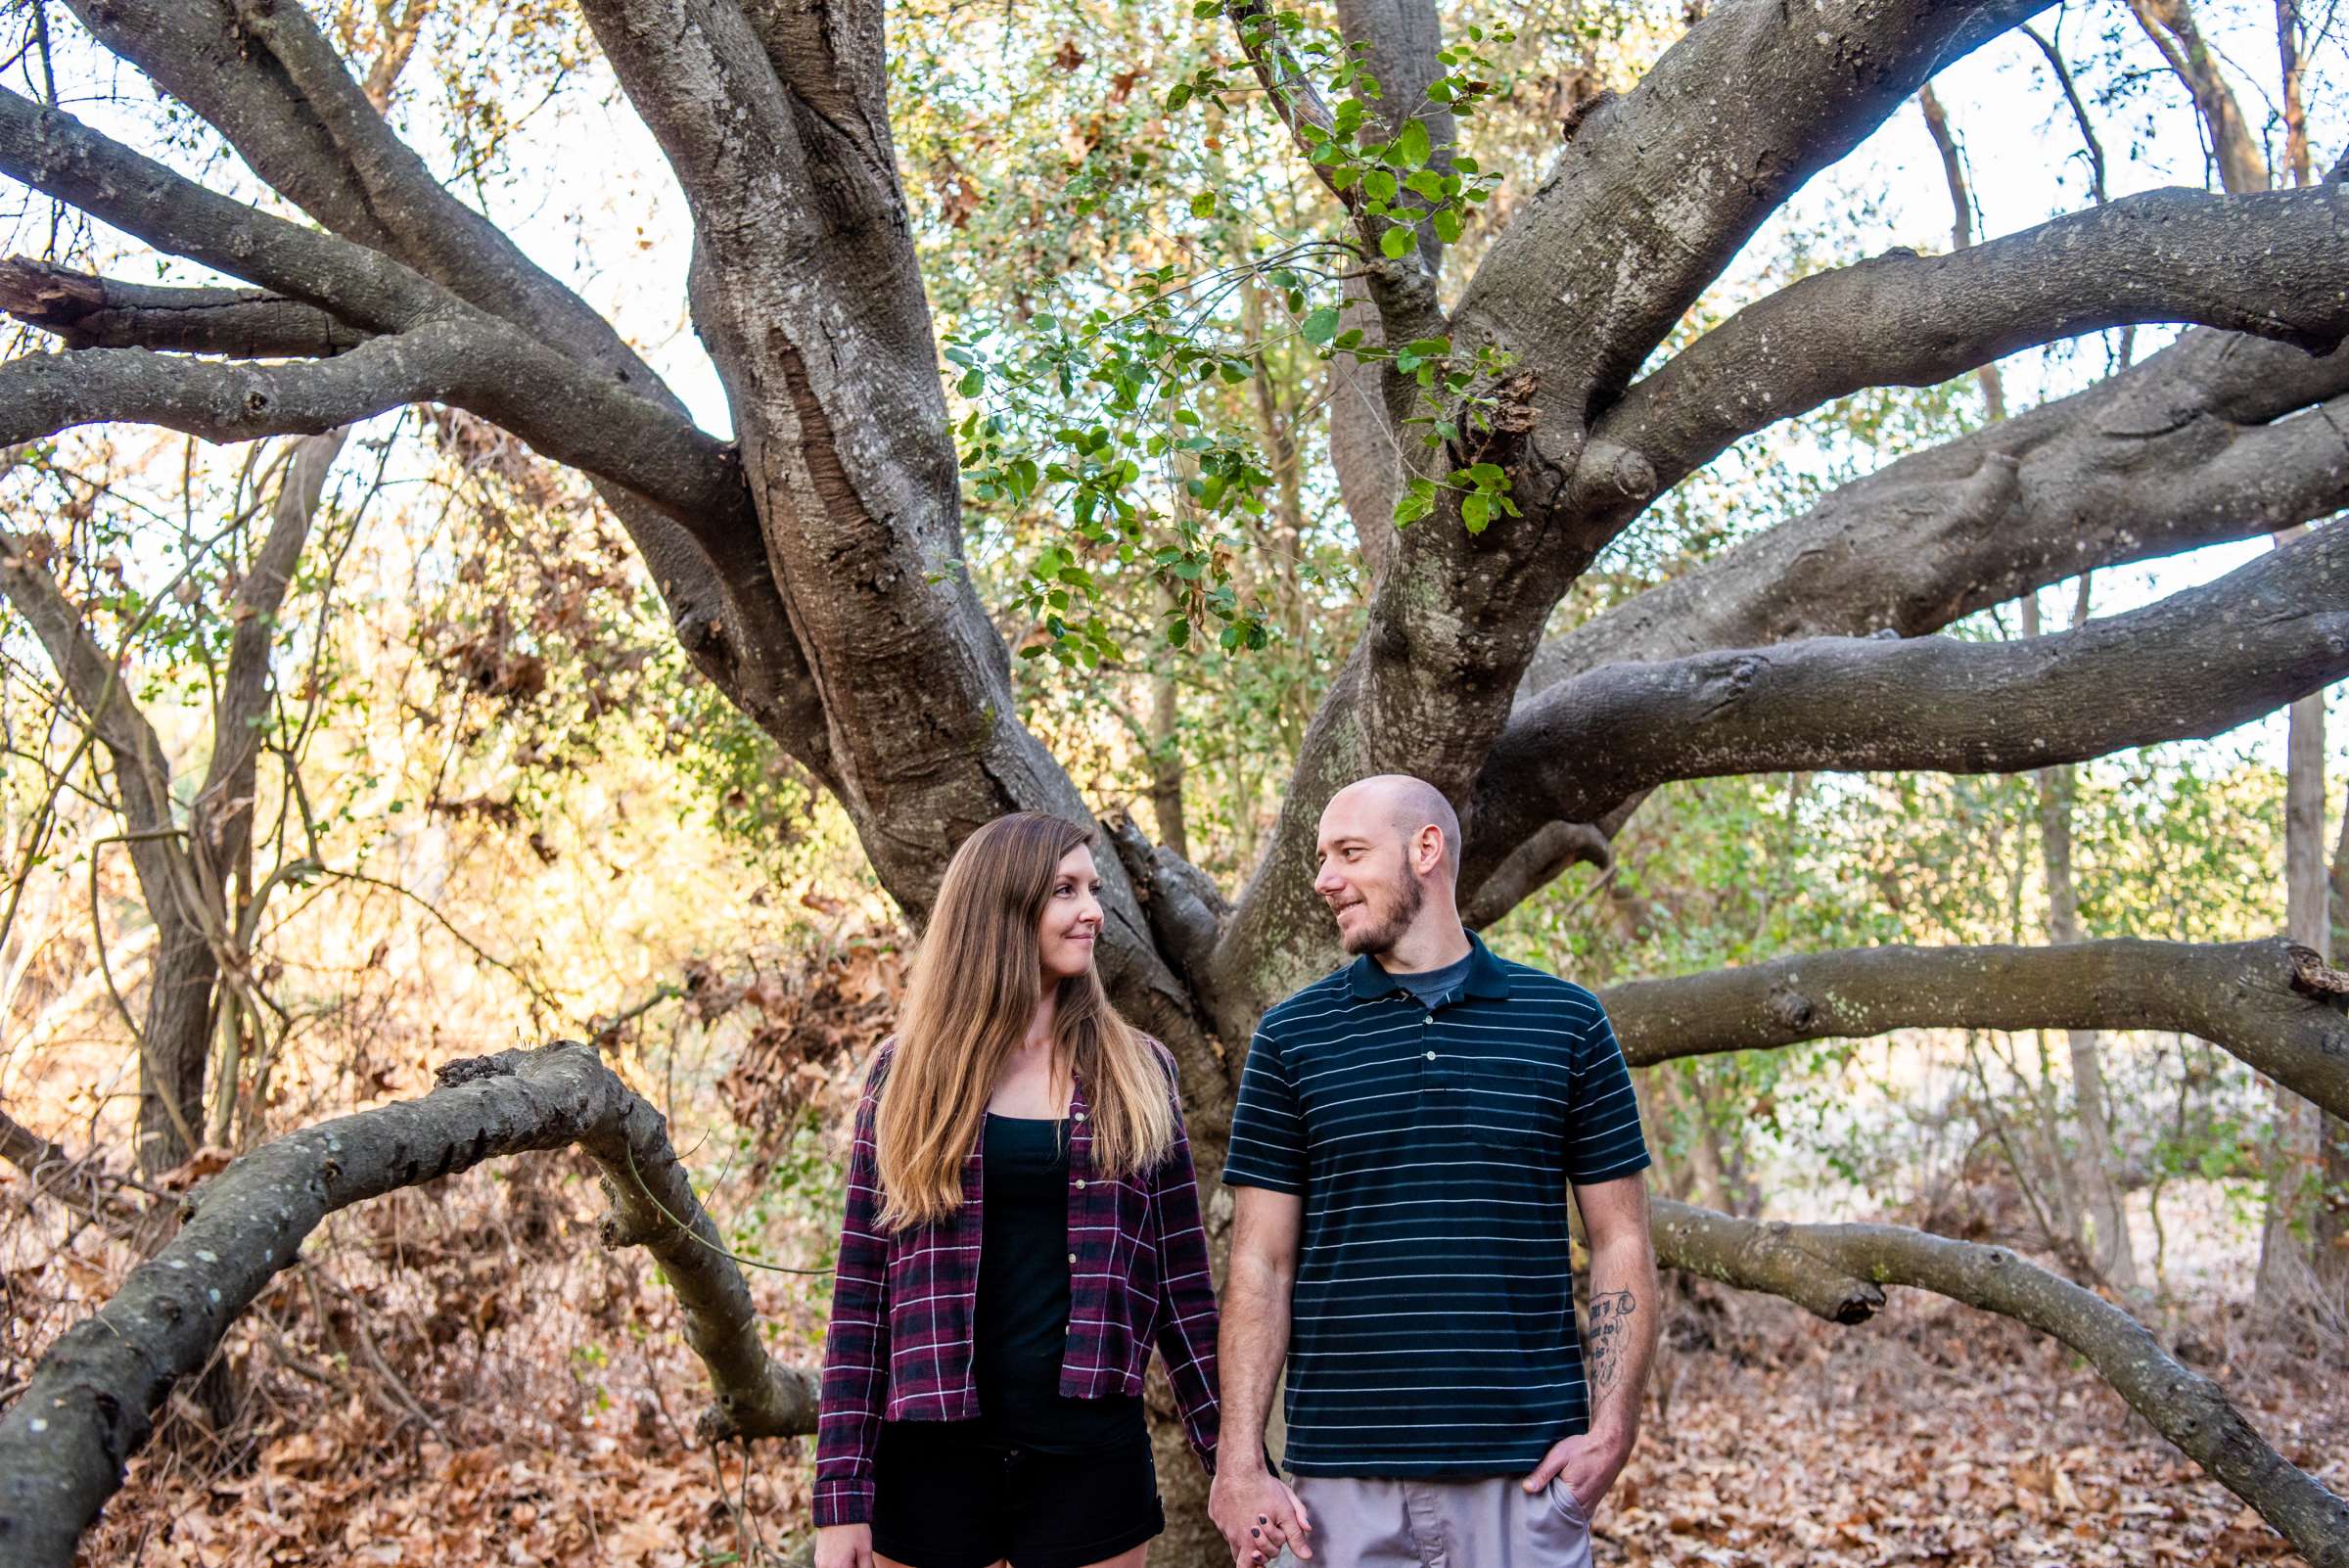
(1186, 1304)
(856, 1344)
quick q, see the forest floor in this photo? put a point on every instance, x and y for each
(457, 1375)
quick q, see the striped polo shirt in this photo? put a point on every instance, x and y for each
(1432, 1329)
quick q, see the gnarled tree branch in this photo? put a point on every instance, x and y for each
(2273, 1005)
(266, 79)
(2273, 264)
(41, 394)
(570, 413)
(92, 1399)
(2212, 439)
(2196, 664)
(270, 82)
(1657, 190)
(1835, 1270)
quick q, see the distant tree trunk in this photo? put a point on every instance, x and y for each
(2290, 38)
(2171, 25)
(2284, 1257)
(2109, 1245)
(2331, 1223)
(1166, 765)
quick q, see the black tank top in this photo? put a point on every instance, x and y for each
(1023, 1307)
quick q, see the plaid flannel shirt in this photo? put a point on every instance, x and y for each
(899, 1348)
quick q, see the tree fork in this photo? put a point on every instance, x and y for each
(91, 1401)
(1834, 1270)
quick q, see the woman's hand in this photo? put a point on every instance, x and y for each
(848, 1546)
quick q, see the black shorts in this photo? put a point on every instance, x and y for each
(944, 1496)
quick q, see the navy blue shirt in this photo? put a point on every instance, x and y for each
(1431, 1326)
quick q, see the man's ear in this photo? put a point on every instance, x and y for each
(1421, 861)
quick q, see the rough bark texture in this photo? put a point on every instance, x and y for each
(86, 311)
(1913, 320)
(1836, 1272)
(91, 1401)
(2273, 1003)
(2196, 664)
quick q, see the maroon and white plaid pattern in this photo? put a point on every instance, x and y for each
(900, 1345)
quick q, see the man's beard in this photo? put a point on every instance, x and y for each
(1382, 936)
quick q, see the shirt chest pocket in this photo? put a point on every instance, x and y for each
(1498, 1100)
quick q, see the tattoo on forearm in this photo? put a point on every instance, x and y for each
(1610, 1329)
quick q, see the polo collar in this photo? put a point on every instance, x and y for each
(1486, 977)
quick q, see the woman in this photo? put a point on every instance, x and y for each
(1023, 1224)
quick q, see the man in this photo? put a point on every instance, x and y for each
(1405, 1135)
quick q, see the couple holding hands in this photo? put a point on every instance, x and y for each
(1023, 1227)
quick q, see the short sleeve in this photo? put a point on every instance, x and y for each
(1603, 1140)
(1267, 1136)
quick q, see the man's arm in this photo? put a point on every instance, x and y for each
(1255, 1512)
(1624, 1318)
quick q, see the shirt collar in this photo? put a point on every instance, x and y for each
(1486, 977)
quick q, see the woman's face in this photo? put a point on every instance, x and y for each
(1072, 920)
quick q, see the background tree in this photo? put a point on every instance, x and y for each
(1521, 371)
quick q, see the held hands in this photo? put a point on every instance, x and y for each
(847, 1546)
(1258, 1515)
(1588, 1463)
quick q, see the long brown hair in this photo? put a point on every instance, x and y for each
(976, 983)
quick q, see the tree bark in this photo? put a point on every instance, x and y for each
(86, 311)
(90, 1405)
(2277, 628)
(2273, 1005)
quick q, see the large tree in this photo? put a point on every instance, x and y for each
(812, 563)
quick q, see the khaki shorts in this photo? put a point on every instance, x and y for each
(1491, 1522)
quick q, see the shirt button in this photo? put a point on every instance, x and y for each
(1078, 1116)
(1072, 1257)
(1080, 1183)
(1431, 1056)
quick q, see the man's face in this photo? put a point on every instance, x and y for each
(1366, 875)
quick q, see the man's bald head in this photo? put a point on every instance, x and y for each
(1405, 805)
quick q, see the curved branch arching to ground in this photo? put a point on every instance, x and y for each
(2273, 1005)
(1837, 1272)
(92, 1399)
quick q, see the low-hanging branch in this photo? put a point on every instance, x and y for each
(91, 1401)
(1838, 1271)
(2274, 1004)
(2193, 665)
